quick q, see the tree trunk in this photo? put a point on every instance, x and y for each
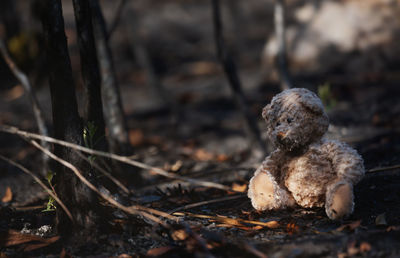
(113, 111)
(280, 32)
(90, 72)
(81, 201)
(9, 18)
(118, 139)
(231, 73)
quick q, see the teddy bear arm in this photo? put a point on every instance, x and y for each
(346, 162)
(264, 189)
(272, 164)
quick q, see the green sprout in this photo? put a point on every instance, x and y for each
(50, 203)
(325, 94)
(89, 137)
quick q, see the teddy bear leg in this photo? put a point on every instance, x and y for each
(265, 193)
(339, 200)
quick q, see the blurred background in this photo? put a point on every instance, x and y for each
(347, 51)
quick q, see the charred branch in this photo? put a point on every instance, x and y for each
(144, 60)
(76, 196)
(90, 71)
(280, 32)
(231, 73)
(37, 111)
(112, 105)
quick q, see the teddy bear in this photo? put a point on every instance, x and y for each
(305, 169)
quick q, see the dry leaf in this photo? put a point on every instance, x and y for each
(203, 155)
(203, 68)
(381, 220)
(155, 140)
(179, 234)
(239, 188)
(350, 227)
(222, 157)
(136, 137)
(365, 247)
(393, 228)
(64, 254)
(12, 237)
(14, 93)
(257, 227)
(352, 250)
(8, 195)
(225, 225)
(292, 228)
(272, 224)
(124, 256)
(159, 250)
(178, 164)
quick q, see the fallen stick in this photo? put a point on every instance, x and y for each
(133, 210)
(124, 159)
(232, 75)
(37, 111)
(197, 204)
(48, 190)
(379, 169)
(105, 172)
(231, 221)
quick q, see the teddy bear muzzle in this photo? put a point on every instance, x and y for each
(284, 141)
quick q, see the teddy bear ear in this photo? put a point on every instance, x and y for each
(312, 103)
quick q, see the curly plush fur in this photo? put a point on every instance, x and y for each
(305, 169)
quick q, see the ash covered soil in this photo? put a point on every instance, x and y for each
(208, 142)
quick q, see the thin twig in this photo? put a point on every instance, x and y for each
(23, 79)
(373, 170)
(114, 115)
(48, 190)
(116, 19)
(280, 32)
(144, 60)
(105, 172)
(231, 73)
(197, 204)
(231, 221)
(134, 210)
(159, 171)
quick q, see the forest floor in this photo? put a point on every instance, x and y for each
(208, 143)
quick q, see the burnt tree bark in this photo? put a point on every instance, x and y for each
(144, 60)
(234, 81)
(37, 111)
(9, 18)
(76, 196)
(113, 112)
(118, 137)
(90, 71)
(280, 32)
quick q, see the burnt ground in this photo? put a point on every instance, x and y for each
(208, 143)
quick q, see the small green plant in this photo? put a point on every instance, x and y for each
(89, 137)
(50, 203)
(89, 133)
(325, 94)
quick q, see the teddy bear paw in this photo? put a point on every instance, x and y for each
(341, 204)
(262, 192)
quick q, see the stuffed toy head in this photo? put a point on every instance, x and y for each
(295, 118)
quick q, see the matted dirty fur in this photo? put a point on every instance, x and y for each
(305, 169)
